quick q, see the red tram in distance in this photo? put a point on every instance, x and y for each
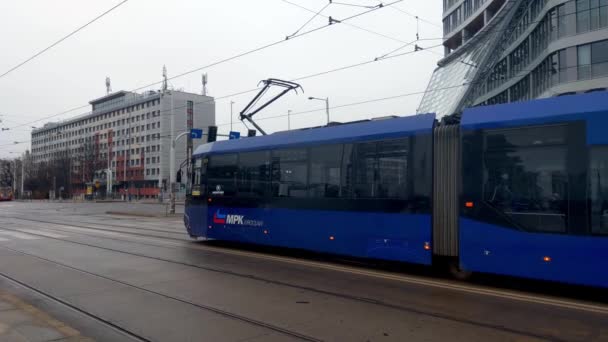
(6, 194)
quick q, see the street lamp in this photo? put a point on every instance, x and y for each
(326, 100)
(231, 113)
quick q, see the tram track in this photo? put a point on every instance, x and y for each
(184, 235)
(215, 310)
(358, 268)
(132, 335)
(342, 295)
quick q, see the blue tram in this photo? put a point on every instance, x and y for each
(518, 189)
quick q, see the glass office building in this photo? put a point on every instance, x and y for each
(499, 51)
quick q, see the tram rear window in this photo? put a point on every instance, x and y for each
(526, 177)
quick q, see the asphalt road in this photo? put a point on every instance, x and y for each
(123, 278)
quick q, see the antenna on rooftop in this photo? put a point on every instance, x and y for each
(108, 86)
(205, 80)
(164, 89)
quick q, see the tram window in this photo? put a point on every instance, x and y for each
(290, 173)
(221, 173)
(347, 179)
(392, 169)
(599, 190)
(325, 165)
(525, 177)
(254, 174)
(364, 170)
(195, 186)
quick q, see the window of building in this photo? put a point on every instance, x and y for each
(562, 21)
(584, 61)
(582, 16)
(603, 13)
(599, 58)
(525, 176)
(325, 171)
(289, 173)
(254, 174)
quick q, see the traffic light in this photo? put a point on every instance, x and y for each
(212, 134)
(251, 133)
(178, 177)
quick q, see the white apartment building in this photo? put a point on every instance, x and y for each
(128, 133)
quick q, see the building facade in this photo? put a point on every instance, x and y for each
(127, 133)
(499, 51)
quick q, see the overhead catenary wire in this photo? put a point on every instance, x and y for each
(387, 98)
(309, 20)
(62, 39)
(228, 59)
(358, 27)
(396, 8)
(350, 66)
(263, 47)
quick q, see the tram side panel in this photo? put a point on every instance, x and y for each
(372, 226)
(533, 191)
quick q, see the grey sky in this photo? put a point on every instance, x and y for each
(132, 43)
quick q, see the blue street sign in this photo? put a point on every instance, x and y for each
(234, 135)
(196, 133)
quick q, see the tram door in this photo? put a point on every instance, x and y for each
(196, 204)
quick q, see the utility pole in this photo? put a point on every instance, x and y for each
(14, 174)
(326, 105)
(172, 159)
(22, 174)
(127, 158)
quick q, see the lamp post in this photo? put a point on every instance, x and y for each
(172, 175)
(326, 100)
(231, 114)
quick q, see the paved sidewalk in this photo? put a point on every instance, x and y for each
(21, 322)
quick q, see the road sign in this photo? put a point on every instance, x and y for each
(196, 133)
(234, 135)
